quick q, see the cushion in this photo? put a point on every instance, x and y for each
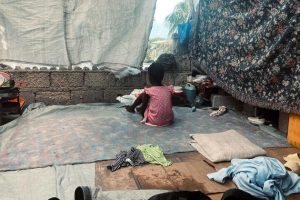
(225, 146)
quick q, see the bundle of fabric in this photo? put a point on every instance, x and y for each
(146, 153)
(262, 177)
(129, 99)
(9, 95)
(250, 48)
(225, 146)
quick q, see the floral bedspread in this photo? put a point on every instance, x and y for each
(251, 49)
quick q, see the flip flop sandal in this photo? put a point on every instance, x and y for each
(293, 157)
(256, 120)
(221, 111)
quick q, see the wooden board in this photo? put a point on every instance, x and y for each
(279, 153)
(121, 179)
(152, 177)
(294, 130)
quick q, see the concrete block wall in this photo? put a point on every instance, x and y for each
(63, 86)
(73, 87)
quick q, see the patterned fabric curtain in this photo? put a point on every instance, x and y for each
(251, 49)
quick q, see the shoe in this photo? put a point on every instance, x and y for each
(221, 111)
(256, 120)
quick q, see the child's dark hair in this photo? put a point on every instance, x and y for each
(156, 73)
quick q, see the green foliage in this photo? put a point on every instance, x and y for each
(179, 15)
(157, 46)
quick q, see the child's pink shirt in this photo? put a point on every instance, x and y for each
(159, 110)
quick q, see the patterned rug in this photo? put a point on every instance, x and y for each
(58, 135)
(250, 49)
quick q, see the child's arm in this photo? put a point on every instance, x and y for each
(145, 100)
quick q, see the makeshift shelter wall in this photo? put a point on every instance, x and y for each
(251, 50)
(109, 34)
(72, 87)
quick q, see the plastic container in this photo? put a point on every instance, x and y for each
(190, 92)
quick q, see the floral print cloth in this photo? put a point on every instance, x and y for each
(250, 49)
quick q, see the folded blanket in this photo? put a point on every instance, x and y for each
(225, 146)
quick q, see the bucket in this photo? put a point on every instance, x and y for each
(190, 92)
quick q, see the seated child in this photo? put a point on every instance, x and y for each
(156, 101)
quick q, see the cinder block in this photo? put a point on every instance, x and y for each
(53, 98)
(110, 94)
(89, 96)
(283, 122)
(137, 81)
(67, 79)
(228, 101)
(32, 79)
(98, 79)
(250, 110)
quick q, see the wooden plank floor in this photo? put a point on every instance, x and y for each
(188, 172)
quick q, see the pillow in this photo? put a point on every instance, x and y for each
(225, 146)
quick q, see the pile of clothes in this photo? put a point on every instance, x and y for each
(142, 154)
(262, 177)
(10, 101)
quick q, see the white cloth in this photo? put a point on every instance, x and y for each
(111, 34)
(44, 183)
(129, 99)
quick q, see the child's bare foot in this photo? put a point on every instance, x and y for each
(130, 109)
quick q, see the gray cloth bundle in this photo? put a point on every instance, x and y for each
(133, 157)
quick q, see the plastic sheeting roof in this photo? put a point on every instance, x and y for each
(112, 34)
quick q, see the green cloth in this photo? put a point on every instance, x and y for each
(154, 154)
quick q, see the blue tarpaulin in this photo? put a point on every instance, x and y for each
(184, 33)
